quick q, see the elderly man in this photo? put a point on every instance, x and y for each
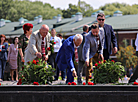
(38, 43)
(81, 60)
(93, 48)
(65, 56)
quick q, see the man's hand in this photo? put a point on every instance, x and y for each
(115, 50)
(87, 63)
(74, 73)
(101, 57)
(46, 57)
(38, 54)
(22, 59)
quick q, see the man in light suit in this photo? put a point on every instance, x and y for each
(93, 48)
(66, 54)
(33, 49)
(80, 54)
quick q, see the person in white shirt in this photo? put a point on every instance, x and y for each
(53, 55)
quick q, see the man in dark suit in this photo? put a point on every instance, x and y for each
(81, 60)
(66, 55)
(109, 37)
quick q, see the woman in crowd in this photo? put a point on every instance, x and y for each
(3, 55)
(24, 40)
(12, 58)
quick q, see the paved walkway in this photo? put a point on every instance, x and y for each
(59, 82)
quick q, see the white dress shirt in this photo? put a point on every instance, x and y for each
(136, 42)
(58, 43)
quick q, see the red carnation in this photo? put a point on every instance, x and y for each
(48, 49)
(135, 83)
(89, 83)
(19, 82)
(104, 61)
(34, 62)
(22, 67)
(69, 83)
(28, 62)
(99, 62)
(96, 64)
(91, 71)
(84, 83)
(3, 46)
(92, 83)
(54, 42)
(73, 83)
(113, 61)
(35, 83)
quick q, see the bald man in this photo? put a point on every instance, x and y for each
(34, 49)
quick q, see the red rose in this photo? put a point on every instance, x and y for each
(84, 83)
(48, 49)
(113, 61)
(90, 77)
(104, 61)
(69, 83)
(99, 62)
(73, 83)
(28, 62)
(91, 71)
(96, 64)
(0, 84)
(54, 42)
(35, 83)
(34, 62)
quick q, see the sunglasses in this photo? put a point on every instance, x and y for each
(101, 19)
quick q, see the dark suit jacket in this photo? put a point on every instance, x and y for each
(80, 54)
(65, 55)
(3, 53)
(110, 37)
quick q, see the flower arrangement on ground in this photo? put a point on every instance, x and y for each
(37, 71)
(108, 72)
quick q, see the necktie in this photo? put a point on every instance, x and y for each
(76, 55)
(43, 48)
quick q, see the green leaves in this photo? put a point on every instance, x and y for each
(39, 72)
(108, 72)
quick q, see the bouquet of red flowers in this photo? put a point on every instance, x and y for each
(51, 48)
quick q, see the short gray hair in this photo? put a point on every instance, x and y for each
(78, 36)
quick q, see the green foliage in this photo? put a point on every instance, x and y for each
(14, 9)
(108, 72)
(37, 71)
(126, 55)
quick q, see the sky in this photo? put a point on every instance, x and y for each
(63, 4)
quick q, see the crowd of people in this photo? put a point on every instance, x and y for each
(93, 44)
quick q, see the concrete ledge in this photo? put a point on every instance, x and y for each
(59, 93)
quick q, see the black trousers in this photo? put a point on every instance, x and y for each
(135, 74)
(105, 54)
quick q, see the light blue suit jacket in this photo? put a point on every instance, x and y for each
(91, 47)
(65, 55)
